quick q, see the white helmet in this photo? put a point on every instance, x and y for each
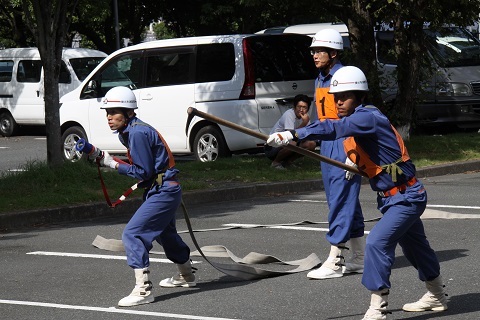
(348, 79)
(327, 38)
(119, 97)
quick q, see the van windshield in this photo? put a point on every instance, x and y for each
(453, 47)
(83, 66)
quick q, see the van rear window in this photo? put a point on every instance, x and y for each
(282, 58)
(6, 68)
(215, 62)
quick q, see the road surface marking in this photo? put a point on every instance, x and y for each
(94, 256)
(109, 310)
(428, 205)
(246, 225)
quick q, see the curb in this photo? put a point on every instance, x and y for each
(35, 218)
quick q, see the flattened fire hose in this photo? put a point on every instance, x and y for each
(242, 268)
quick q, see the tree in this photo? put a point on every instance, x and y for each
(49, 21)
(11, 24)
(408, 19)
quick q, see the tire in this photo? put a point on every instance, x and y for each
(69, 140)
(8, 125)
(209, 144)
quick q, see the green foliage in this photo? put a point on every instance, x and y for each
(162, 31)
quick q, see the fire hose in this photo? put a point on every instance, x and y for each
(240, 269)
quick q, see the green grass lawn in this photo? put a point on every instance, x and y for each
(75, 183)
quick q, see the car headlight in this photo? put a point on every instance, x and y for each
(453, 89)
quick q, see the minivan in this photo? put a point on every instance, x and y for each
(451, 96)
(250, 80)
(21, 83)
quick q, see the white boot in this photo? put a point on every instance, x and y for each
(332, 267)
(378, 306)
(435, 299)
(142, 293)
(355, 263)
(185, 278)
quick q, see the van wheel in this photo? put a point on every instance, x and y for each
(69, 140)
(8, 125)
(209, 144)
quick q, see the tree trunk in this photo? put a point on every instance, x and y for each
(49, 27)
(408, 68)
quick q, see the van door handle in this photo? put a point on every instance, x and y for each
(281, 101)
(148, 96)
(38, 93)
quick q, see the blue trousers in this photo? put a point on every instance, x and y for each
(400, 224)
(345, 217)
(155, 220)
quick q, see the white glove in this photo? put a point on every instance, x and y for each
(107, 161)
(279, 139)
(349, 175)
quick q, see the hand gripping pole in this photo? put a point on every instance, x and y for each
(194, 112)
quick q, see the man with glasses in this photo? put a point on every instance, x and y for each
(342, 188)
(294, 118)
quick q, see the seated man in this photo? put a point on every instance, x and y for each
(294, 118)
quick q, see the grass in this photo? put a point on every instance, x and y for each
(78, 183)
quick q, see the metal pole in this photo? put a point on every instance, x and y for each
(117, 29)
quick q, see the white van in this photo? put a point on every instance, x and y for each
(451, 96)
(21, 83)
(246, 79)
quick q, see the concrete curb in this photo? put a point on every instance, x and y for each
(33, 218)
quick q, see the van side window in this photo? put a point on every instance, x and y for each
(6, 67)
(65, 76)
(282, 58)
(168, 68)
(385, 51)
(29, 70)
(215, 62)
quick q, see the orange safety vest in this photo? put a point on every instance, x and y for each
(365, 164)
(326, 108)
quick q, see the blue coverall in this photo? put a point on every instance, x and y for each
(401, 212)
(155, 219)
(345, 217)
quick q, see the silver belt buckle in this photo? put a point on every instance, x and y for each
(381, 194)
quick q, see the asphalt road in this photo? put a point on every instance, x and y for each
(54, 272)
(17, 151)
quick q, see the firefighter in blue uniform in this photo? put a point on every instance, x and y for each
(152, 163)
(345, 217)
(378, 150)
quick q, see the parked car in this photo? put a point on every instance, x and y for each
(452, 95)
(21, 83)
(247, 79)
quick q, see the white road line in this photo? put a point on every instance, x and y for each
(428, 205)
(4, 147)
(41, 138)
(447, 206)
(246, 225)
(110, 310)
(314, 201)
(94, 256)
